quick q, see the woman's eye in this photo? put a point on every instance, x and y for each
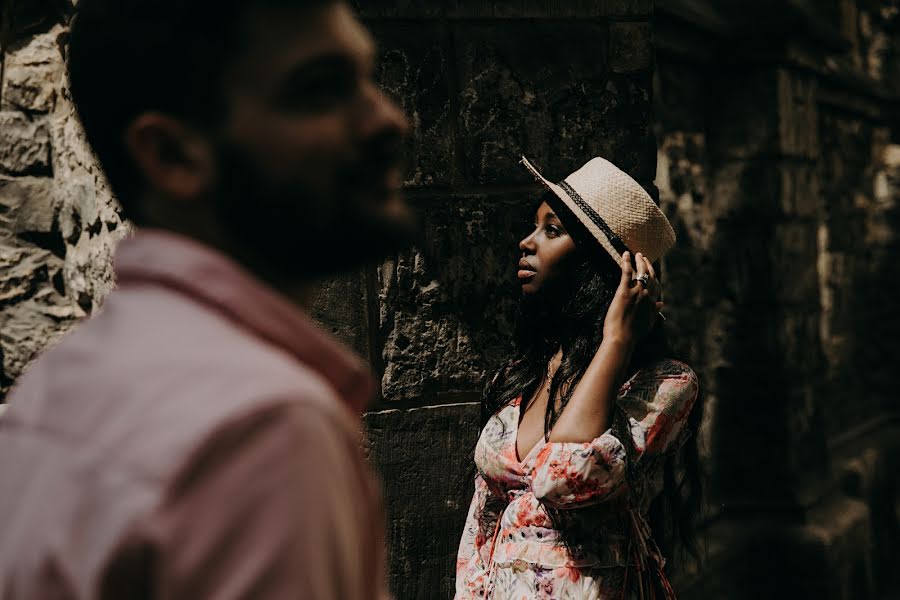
(551, 230)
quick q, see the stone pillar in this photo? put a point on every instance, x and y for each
(775, 137)
(762, 135)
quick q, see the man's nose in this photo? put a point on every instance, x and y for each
(381, 114)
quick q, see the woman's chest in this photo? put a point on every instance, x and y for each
(496, 454)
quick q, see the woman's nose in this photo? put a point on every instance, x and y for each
(527, 244)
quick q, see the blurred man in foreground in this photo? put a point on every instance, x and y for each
(198, 438)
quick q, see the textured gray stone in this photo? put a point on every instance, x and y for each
(507, 9)
(24, 200)
(415, 69)
(24, 145)
(745, 189)
(798, 123)
(38, 210)
(743, 105)
(424, 459)
(31, 73)
(630, 46)
(25, 18)
(340, 307)
(516, 97)
(793, 253)
(30, 330)
(800, 194)
(24, 272)
(447, 310)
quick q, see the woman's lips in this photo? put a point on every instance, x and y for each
(526, 271)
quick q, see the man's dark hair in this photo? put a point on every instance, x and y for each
(127, 57)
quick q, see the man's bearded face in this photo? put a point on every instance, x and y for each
(308, 173)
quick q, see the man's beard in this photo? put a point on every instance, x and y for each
(293, 233)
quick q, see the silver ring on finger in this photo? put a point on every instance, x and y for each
(643, 278)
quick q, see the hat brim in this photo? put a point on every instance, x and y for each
(560, 193)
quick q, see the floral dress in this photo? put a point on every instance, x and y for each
(567, 521)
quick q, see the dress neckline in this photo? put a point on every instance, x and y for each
(517, 405)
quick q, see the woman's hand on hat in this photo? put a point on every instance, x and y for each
(635, 306)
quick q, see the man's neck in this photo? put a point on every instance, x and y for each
(299, 292)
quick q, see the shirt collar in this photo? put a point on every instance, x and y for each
(209, 277)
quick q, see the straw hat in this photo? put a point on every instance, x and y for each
(614, 208)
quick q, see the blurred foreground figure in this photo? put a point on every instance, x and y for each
(199, 437)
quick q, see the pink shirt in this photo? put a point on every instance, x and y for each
(198, 438)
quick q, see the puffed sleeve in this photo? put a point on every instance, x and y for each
(474, 554)
(656, 403)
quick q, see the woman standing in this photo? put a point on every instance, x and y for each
(588, 436)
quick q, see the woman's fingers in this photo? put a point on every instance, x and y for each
(650, 268)
(627, 271)
(641, 263)
(653, 285)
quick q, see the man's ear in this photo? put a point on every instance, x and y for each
(173, 157)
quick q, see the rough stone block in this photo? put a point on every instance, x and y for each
(794, 253)
(88, 273)
(80, 210)
(745, 188)
(869, 470)
(24, 145)
(800, 195)
(32, 72)
(38, 210)
(765, 187)
(24, 273)
(798, 340)
(828, 557)
(28, 192)
(447, 309)
(414, 69)
(404, 9)
(29, 331)
(339, 305)
(506, 9)
(630, 46)
(846, 148)
(23, 18)
(798, 123)
(516, 99)
(424, 459)
(743, 119)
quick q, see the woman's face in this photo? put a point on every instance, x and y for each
(543, 251)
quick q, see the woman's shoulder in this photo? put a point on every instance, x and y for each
(674, 367)
(671, 370)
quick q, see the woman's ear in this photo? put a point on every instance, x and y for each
(174, 158)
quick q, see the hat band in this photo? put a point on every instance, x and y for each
(616, 242)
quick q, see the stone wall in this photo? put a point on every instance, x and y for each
(58, 223)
